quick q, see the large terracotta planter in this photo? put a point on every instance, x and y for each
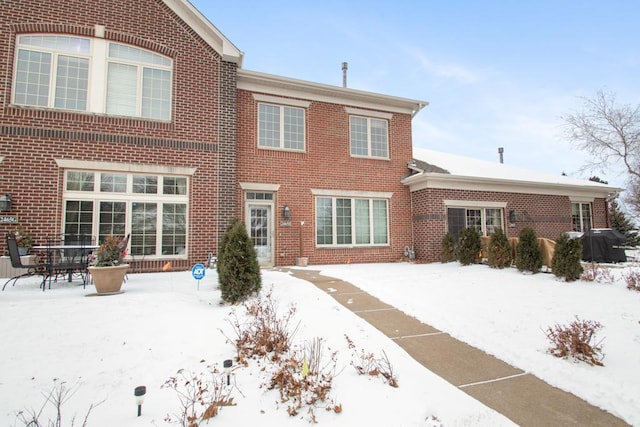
(108, 280)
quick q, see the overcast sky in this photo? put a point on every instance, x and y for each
(495, 73)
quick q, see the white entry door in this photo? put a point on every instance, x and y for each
(259, 220)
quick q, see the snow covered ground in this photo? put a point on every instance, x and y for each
(103, 347)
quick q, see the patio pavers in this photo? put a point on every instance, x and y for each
(518, 395)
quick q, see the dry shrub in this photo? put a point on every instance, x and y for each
(632, 279)
(596, 273)
(201, 396)
(366, 363)
(304, 379)
(577, 340)
(57, 396)
(264, 332)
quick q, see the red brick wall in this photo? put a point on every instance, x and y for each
(326, 164)
(30, 139)
(549, 216)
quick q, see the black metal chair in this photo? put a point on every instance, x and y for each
(37, 269)
(68, 262)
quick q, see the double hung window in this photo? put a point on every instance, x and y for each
(152, 208)
(92, 75)
(351, 221)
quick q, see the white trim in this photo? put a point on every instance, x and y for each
(368, 113)
(280, 100)
(124, 167)
(1, 159)
(257, 186)
(205, 29)
(583, 199)
(282, 86)
(474, 204)
(351, 193)
(457, 182)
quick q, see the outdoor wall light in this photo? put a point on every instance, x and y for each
(227, 364)
(5, 202)
(512, 217)
(139, 393)
(286, 212)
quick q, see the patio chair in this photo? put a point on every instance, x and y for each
(16, 262)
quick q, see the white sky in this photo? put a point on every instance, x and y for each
(496, 73)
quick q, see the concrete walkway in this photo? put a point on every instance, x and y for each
(518, 395)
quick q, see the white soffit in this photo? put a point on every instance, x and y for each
(253, 81)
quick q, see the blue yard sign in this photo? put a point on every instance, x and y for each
(197, 272)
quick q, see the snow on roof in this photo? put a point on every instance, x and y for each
(475, 168)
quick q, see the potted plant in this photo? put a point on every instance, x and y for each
(107, 267)
(24, 240)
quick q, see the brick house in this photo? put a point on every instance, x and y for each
(114, 123)
(110, 123)
(449, 193)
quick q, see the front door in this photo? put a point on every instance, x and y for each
(260, 231)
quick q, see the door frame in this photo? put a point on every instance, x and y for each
(269, 204)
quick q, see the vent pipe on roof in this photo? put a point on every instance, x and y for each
(345, 67)
(501, 153)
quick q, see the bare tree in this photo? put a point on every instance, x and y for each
(610, 133)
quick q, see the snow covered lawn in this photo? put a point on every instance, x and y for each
(106, 346)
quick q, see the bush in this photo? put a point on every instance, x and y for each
(499, 251)
(528, 253)
(577, 340)
(238, 267)
(566, 258)
(469, 246)
(595, 273)
(447, 249)
(632, 279)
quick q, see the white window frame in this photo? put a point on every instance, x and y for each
(128, 197)
(468, 205)
(369, 121)
(99, 61)
(580, 206)
(282, 141)
(353, 227)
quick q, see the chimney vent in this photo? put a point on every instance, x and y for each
(501, 153)
(345, 67)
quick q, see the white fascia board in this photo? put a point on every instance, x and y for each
(457, 182)
(253, 81)
(205, 29)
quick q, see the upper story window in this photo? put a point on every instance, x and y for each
(92, 75)
(369, 137)
(281, 127)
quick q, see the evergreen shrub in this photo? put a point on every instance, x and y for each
(566, 258)
(528, 253)
(447, 249)
(499, 251)
(469, 246)
(237, 266)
